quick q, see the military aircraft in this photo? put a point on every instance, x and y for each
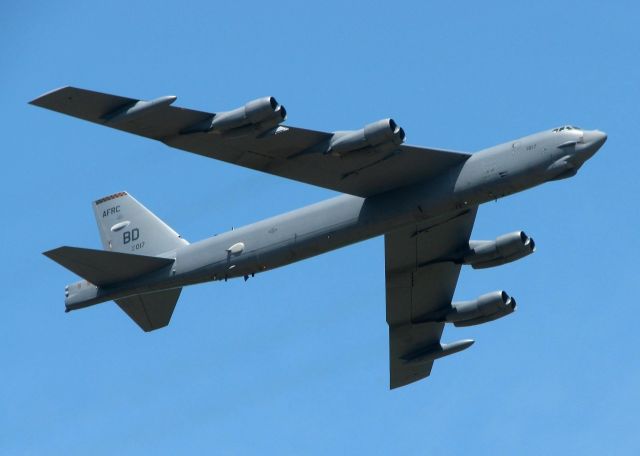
(423, 200)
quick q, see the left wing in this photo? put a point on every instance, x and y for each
(285, 151)
(418, 285)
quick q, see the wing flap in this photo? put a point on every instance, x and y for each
(363, 174)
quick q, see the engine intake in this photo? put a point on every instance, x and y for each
(262, 113)
(380, 134)
(505, 249)
(487, 307)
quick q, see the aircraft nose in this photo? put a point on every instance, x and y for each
(594, 139)
(591, 142)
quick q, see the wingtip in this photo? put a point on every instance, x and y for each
(38, 101)
(48, 253)
(52, 253)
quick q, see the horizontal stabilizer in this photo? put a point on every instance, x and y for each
(103, 268)
(151, 310)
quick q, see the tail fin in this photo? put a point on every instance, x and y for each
(127, 226)
(133, 237)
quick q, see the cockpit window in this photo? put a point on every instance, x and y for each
(566, 127)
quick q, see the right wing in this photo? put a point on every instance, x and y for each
(419, 285)
(285, 151)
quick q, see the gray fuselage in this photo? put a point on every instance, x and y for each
(487, 175)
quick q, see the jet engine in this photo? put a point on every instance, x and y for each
(505, 249)
(378, 134)
(487, 307)
(264, 112)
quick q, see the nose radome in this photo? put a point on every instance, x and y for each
(595, 138)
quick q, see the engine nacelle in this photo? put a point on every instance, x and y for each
(487, 307)
(377, 134)
(505, 249)
(264, 112)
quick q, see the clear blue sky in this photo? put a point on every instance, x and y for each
(295, 360)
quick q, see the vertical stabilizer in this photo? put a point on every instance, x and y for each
(127, 226)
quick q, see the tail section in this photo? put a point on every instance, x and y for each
(127, 226)
(133, 238)
(108, 269)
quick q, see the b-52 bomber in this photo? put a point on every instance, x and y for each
(423, 200)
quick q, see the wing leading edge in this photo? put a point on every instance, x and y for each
(285, 151)
(417, 286)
